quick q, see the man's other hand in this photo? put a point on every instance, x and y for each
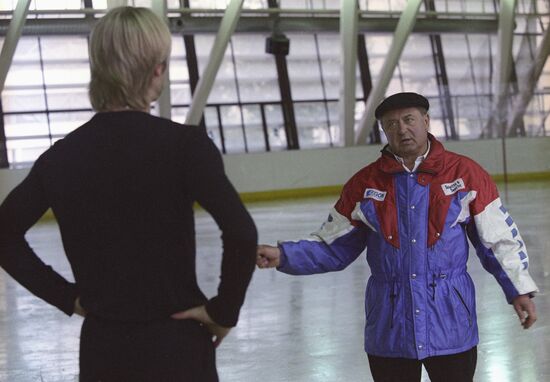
(525, 309)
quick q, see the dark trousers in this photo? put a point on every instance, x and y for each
(160, 351)
(446, 368)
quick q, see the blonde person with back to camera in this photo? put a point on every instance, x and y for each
(414, 210)
(122, 188)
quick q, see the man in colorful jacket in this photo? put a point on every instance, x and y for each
(413, 210)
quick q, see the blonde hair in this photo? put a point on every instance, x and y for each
(125, 46)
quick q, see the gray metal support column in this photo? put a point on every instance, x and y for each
(192, 62)
(530, 79)
(499, 113)
(366, 81)
(291, 129)
(6, 58)
(165, 103)
(116, 3)
(88, 5)
(12, 37)
(348, 48)
(514, 90)
(227, 27)
(443, 88)
(4, 163)
(200, 20)
(442, 79)
(402, 32)
(279, 45)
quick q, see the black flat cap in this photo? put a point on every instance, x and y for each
(401, 101)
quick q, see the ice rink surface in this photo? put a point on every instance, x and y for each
(294, 329)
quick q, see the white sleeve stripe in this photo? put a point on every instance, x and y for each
(334, 227)
(502, 237)
(465, 207)
(357, 214)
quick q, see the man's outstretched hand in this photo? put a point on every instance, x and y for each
(268, 256)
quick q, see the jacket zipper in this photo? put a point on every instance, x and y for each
(393, 294)
(433, 285)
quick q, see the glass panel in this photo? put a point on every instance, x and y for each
(62, 124)
(334, 119)
(68, 98)
(213, 125)
(330, 63)
(312, 124)
(27, 49)
(141, 3)
(23, 99)
(478, 6)
(416, 66)
(322, 4)
(18, 129)
(359, 112)
(67, 73)
(254, 4)
(437, 125)
(293, 4)
(216, 4)
(256, 69)
(233, 129)
(179, 114)
(59, 4)
(100, 4)
(396, 83)
(224, 89)
(377, 50)
(24, 74)
(542, 100)
(303, 68)
(469, 68)
(471, 113)
(253, 128)
(26, 151)
(8, 5)
(180, 93)
(25, 125)
(275, 127)
(178, 48)
(452, 6)
(537, 123)
(64, 48)
(179, 73)
(389, 5)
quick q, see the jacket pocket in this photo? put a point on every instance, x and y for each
(463, 303)
(370, 301)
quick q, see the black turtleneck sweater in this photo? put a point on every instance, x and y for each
(122, 188)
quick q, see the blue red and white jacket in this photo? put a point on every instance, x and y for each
(420, 300)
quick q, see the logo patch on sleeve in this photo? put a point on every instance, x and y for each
(454, 186)
(375, 194)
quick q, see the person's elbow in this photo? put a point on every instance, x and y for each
(246, 234)
(243, 235)
(10, 240)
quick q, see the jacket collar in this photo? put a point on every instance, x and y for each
(431, 165)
